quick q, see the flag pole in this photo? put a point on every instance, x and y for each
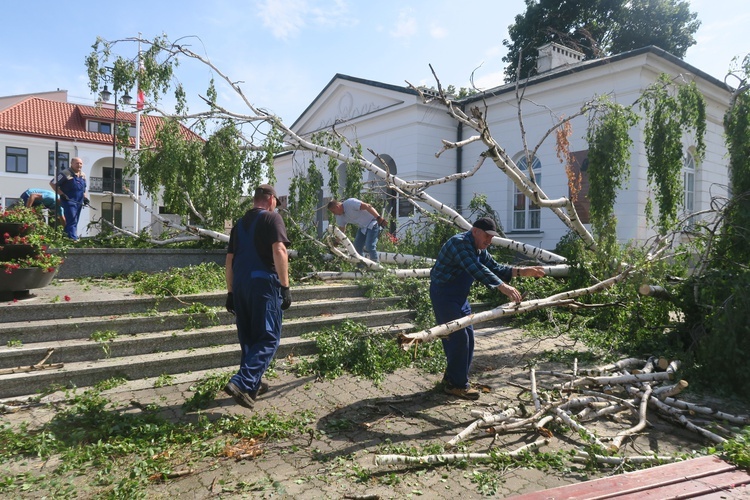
(139, 109)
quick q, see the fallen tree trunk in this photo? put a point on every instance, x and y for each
(454, 457)
(558, 300)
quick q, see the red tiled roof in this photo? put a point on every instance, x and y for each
(44, 118)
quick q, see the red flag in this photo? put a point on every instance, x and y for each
(141, 99)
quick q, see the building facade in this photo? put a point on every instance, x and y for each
(407, 133)
(39, 128)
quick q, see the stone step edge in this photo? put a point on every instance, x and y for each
(13, 325)
(55, 310)
(304, 347)
(323, 321)
(38, 350)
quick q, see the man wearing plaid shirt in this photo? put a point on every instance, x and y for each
(462, 260)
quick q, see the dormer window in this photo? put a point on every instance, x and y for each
(106, 127)
(100, 127)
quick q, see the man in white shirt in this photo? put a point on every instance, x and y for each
(366, 218)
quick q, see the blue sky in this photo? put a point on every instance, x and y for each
(286, 51)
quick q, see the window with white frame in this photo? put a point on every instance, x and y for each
(688, 182)
(16, 160)
(526, 214)
(106, 127)
(101, 127)
(63, 161)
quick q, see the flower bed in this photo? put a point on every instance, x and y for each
(25, 262)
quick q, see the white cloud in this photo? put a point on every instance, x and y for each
(333, 14)
(285, 18)
(437, 31)
(406, 25)
(489, 80)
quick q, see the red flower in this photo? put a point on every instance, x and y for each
(67, 298)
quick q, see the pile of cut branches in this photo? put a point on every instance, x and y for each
(605, 406)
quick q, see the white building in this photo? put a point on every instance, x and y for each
(392, 121)
(34, 126)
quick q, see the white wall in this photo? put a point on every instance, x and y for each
(412, 132)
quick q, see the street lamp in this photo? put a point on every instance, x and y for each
(126, 99)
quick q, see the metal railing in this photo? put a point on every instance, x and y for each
(99, 185)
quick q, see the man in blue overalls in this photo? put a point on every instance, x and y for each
(461, 260)
(70, 184)
(257, 275)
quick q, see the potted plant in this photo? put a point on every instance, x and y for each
(25, 261)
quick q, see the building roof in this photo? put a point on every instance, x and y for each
(593, 63)
(67, 121)
(536, 79)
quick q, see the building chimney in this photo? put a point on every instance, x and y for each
(553, 55)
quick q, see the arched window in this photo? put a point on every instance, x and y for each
(526, 214)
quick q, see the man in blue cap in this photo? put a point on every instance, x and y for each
(462, 260)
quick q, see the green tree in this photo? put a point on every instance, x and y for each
(715, 299)
(671, 111)
(609, 168)
(202, 179)
(598, 28)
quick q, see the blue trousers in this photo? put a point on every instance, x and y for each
(367, 241)
(257, 304)
(459, 345)
(72, 211)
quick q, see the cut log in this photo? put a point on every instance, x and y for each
(655, 291)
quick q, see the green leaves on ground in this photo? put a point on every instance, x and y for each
(351, 347)
(129, 449)
(205, 277)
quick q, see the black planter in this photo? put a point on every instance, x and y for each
(14, 229)
(25, 279)
(10, 252)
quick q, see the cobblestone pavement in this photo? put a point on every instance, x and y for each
(354, 420)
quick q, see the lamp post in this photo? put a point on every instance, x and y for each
(126, 99)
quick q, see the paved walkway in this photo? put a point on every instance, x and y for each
(359, 420)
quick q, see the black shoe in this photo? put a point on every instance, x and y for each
(262, 389)
(241, 398)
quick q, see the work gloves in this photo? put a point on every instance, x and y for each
(286, 298)
(64, 196)
(86, 201)
(381, 221)
(230, 302)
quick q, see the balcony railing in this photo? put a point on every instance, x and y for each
(99, 185)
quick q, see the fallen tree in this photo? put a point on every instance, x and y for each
(603, 412)
(263, 135)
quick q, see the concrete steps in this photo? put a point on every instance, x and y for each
(148, 337)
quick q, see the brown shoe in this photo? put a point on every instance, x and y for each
(460, 392)
(262, 389)
(241, 398)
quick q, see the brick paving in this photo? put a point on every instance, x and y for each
(354, 420)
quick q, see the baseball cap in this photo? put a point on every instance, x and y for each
(487, 225)
(267, 189)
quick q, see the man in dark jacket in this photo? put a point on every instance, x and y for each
(462, 260)
(257, 276)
